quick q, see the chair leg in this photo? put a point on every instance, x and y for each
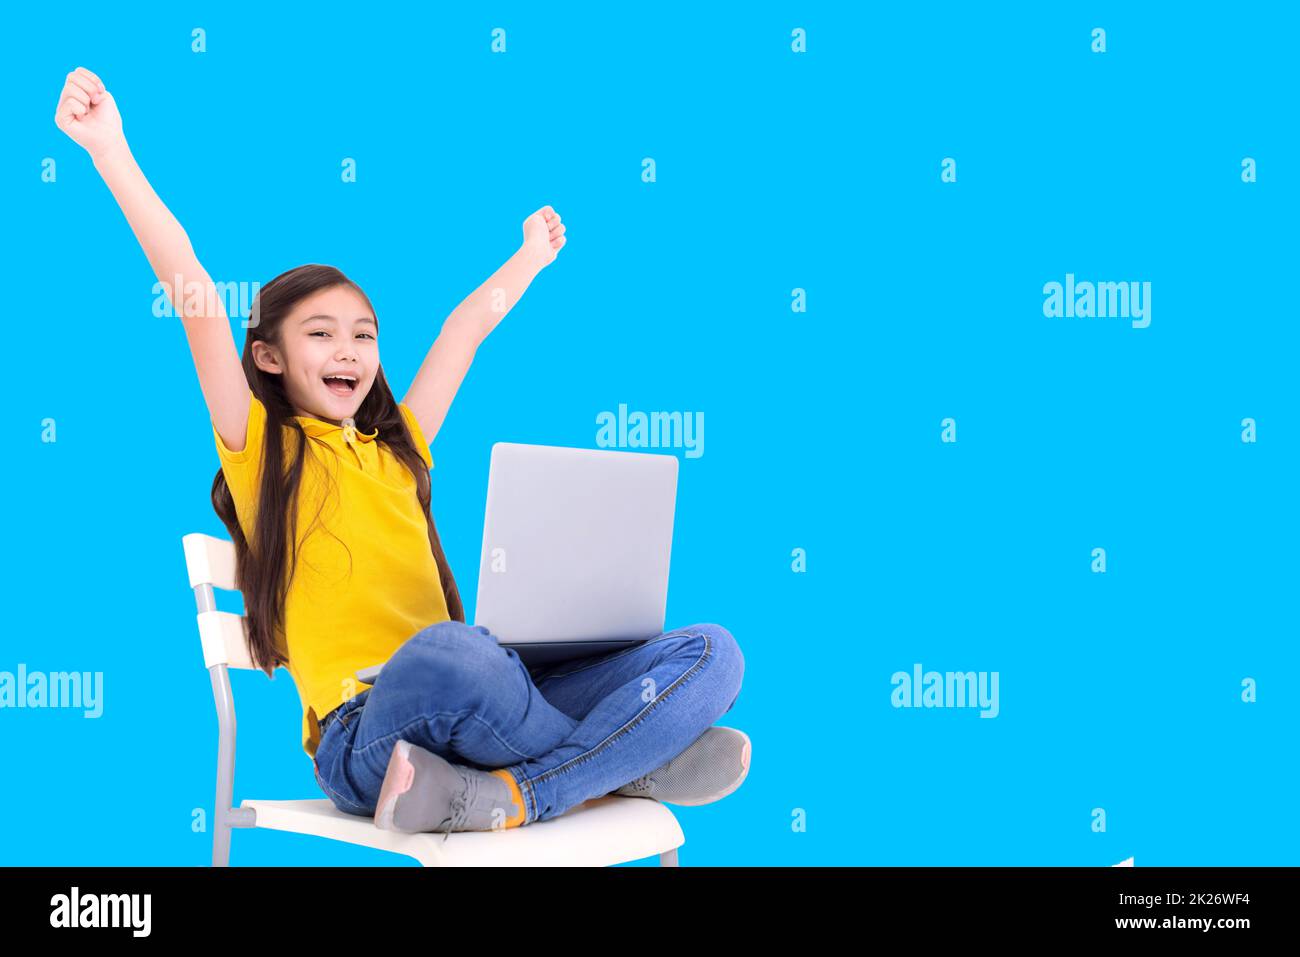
(222, 817)
(668, 858)
(221, 844)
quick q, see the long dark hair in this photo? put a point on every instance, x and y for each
(263, 575)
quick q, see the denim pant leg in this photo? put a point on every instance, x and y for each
(585, 728)
(450, 689)
(639, 708)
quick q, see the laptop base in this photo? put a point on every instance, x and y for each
(543, 654)
(539, 654)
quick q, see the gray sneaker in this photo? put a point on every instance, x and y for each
(424, 792)
(707, 771)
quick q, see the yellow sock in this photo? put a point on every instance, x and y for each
(515, 795)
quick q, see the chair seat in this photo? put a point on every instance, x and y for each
(598, 833)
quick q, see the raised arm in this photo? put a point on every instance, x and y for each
(449, 358)
(88, 113)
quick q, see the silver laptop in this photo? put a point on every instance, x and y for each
(576, 549)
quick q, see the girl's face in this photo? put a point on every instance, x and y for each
(330, 334)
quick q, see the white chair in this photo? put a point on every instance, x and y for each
(600, 832)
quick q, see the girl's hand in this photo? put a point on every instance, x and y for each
(543, 236)
(87, 113)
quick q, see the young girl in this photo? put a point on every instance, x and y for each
(456, 733)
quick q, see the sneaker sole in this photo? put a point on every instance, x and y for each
(398, 778)
(401, 806)
(677, 785)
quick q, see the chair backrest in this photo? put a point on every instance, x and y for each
(211, 564)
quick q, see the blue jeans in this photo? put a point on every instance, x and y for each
(567, 733)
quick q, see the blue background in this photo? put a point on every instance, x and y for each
(822, 429)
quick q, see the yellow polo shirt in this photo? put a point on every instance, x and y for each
(366, 579)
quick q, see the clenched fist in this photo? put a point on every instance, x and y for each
(87, 113)
(544, 235)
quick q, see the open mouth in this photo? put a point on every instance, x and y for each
(341, 385)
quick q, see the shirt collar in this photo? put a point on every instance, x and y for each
(322, 429)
